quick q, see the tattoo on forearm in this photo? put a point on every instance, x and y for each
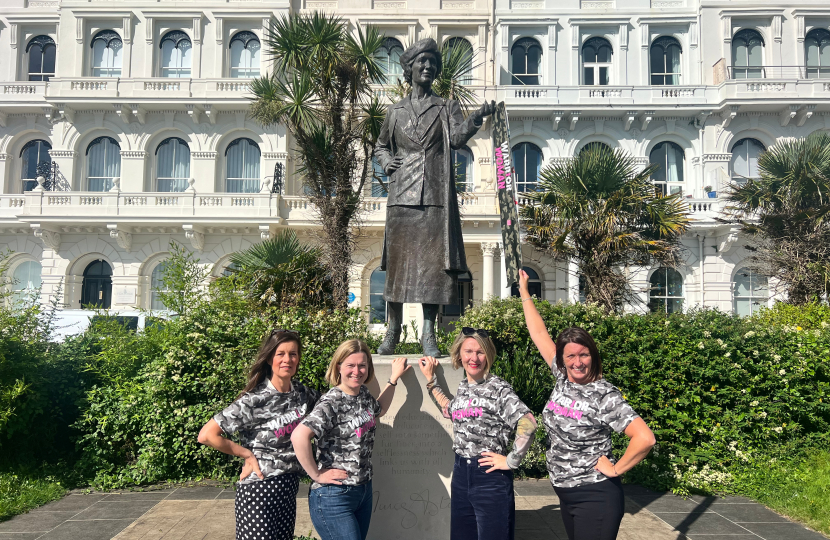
(525, 433)
(439, 398)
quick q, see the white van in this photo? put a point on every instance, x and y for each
(71, 322)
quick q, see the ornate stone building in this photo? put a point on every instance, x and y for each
(136, 112)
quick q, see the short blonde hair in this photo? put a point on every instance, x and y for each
(346, 349)
(484, 342)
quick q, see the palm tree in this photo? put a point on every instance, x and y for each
(600, 211)
(283, 272)
(320, 89)
(786, 212)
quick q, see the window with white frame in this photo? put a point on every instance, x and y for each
(748, 55)
(176, 55)
(527, 162)
(380, 181)
(41, 51)
(669, 174)
(751, 292)
(26, 280)
(665, 293)
(596, 62)
(242, 166)
(33, 155)
(157, 286)
(245, 55)
(526, 56)
(459, 50)
(817, 54)
(103, 163)
(172, 165)
(377, 305)
(665, 61)
(389, 58)
(744, 161)
(106, 54)
(462, 159)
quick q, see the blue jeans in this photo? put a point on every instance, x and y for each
(341, 512)
(483, 507)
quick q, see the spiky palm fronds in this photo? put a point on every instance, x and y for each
(786, 212)
(602, 211)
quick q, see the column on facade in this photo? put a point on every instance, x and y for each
(273, 163)
(203, 170)
(133, 164)
(125, 292)
(550, 79)
(13, 59)
(5, 163)
(488, 251)
(127, 42)
(576, 43)
(716, 170)
(196, 66)
(66, 165)
(645, 43)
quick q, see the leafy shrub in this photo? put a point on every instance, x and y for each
(716, 389)
(811, 316)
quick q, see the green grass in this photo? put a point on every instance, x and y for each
(22, 491)
(798, 489)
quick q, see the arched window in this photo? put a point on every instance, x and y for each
(527, 161)
(176, 54)
(96, 290)
(665, 62)
(583, 289)
(172, 165)
(534, 284)
(41, 51)
(103, 163)
(747, 55)
(527, 58)
(817, 53)
(242, 157)
(465, 297)
(377, 305)
(596, 62)
(106, 54)
(460, 49)
(595, 145)
(744, 162)
(25, 281)
(230, 270)
(34, 153)
(389, 58)
(462, 159)
(751, 292)
(378, 175)
(665, 293)
(669, 176)
(157, 286)
(245, 48)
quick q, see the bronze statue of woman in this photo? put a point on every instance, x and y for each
(423, 250)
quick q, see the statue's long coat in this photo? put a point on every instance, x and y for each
(423, 249)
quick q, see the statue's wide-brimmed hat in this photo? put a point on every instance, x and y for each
(424, 45)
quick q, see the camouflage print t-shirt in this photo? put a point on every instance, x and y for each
(484, 416)
(264, 420)
(344, 426)
(579, 419)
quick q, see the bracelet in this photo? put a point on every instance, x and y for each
(392, 383)
(526, 299)
(432, 382)
(614, 468)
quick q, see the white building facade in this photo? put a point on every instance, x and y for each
(141, 106)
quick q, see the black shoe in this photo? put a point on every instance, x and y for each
(429, 345)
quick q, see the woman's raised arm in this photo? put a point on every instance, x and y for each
(436, 393)
(535, 324)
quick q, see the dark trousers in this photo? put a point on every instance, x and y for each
(592, 512)
(482, 505)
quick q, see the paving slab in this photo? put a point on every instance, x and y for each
(137, 496)
(35, 522)
(700, 523)
(115, 510)
(748, 513)
(99, 529)
(782, 531)
(195, 493)
(72, 502)
(20, 536)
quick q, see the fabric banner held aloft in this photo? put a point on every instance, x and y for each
(506, 186)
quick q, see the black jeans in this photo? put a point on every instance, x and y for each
(482, 505)
(592, 512)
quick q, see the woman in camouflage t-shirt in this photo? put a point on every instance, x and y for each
(264, 416)
(343, 422)
(583, 410)
(485, 412)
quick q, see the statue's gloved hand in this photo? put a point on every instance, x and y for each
(485, 110)
(394, 165)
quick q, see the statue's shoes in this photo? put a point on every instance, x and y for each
(429, 345)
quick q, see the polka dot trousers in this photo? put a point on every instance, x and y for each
(267, 509)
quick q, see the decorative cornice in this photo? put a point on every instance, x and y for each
(4, 157)
(62, 153)
(276, 155)
(203, 155)
(133, 154)
(716, 157)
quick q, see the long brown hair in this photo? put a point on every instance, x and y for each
(580, 336)
(261, 370)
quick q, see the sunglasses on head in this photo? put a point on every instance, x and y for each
(470, 331)
(278, 330)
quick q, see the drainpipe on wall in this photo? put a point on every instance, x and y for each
(700, 263)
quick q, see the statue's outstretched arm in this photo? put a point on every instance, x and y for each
(462, 130)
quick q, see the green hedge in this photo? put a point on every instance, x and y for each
(716, 389)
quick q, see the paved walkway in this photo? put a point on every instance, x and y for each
(206, 513)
